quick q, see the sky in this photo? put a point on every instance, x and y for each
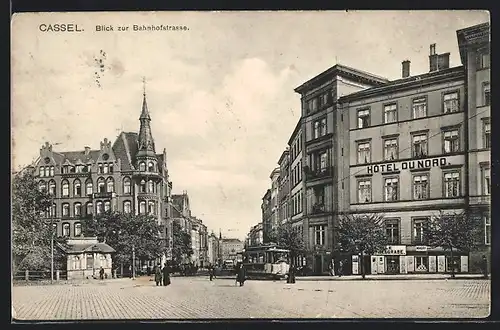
(220, 95)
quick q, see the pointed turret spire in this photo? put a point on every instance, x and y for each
(145, 111)
(145, 140)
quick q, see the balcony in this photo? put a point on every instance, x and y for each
(147, 174)
(319, 173)
(318, 208)
(104, 194)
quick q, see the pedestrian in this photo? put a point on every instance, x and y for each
(211, 272)
(101, 273)
(158, 275)
(166, 275)
(241, 275)
(484, 266)
(341, 268)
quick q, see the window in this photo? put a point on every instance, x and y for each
(363, 118)
(77, 188)
(76, 263)
(107, 206)
(100, 169)
(142, 207)
(53, 210)
(90, 261)
(110, 185)
(126, 186)
(486, 180)
(487, 229)
(390, 113)
(151, 186)
(419, 145)
(90, 208)
(487, 133)
(127, 207)
(89, 186)
(319, 128)
(151, 167)
(143, 186)
(392, 230)
(364, 191)
(52, 171)
(66, 230)
(42, 186)
(391, 189)
(364, 154)
(421, 263)
(41, 172)
(110, 168)
(65, 188)
(452, 184)
(77, 229)
(99, 208)
(450, 102)
(451, 141)
(65, 210)
(106, 168)
(151, 207)
(421, 186)
(77, 209)
(52, 187)
(391, 149)
(484, 60)
(486, 93)
(101, 186)
(47, 171)
(142, 166)
(419, 108)
(312, 105)
(319, 235)
(419, 230)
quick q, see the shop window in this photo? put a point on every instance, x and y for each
(450, 102)
(453, 264)
(363, 118)
(419, 108)
(421, 264)
(364, 191)
(451, 141)
(420, 186)
(452, 184)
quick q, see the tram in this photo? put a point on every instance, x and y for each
(266, 261)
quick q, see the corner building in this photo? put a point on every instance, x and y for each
(126, 176)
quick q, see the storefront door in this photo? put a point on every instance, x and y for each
(318, 265)
(392, 264)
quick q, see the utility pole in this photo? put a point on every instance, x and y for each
(133, 262)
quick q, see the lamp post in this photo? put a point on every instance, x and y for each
(133, 262)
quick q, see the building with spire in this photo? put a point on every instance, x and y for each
(127, 175)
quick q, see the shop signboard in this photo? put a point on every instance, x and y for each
(402, 264)
(410, 264)
(355, 261)
(381, 265)
(441, 262)
(464, 264)
(421, 248)
(432, 264)
(395, 250)
(374, 264)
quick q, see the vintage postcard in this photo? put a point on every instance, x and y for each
(238, 165)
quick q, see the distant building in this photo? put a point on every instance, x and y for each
(266, 215)
(213, 251)
(231, 247)
(256, 235)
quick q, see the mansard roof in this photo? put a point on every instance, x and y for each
(125, 148)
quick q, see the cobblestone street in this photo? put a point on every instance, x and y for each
(197, 297)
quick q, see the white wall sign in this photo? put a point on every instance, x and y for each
(441, 264)
(464, 264)
(410, 264)
(399, 250)
(355, 270)
(421, 248)
(411, 164)
(402, 264)
(432, 264)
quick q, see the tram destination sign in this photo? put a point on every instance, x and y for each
(407, 165)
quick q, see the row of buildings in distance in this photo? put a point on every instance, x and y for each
(405, 148)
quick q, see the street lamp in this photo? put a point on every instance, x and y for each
(133, 262)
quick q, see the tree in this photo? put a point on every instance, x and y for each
(289, 238)
(124, 231)
(363, 234)
(453, 231)
(181, 248)
(31, 228)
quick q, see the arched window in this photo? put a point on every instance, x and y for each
(106, 168)
(78, 229)
(90, 208)
(142, 207)
(110, 185)
(151, 186)
(151, 207)
(54, 228)
(101, 187)
(126, 186)
(41, 172)
(143, 186)
(76, 263)
(107, 206)
(110, 168)
(65, 188)
(142, 166)
(127, 207)
(42, 186)
(89, 186)
(53, 210)
(100, 169)
(99, 208)
(66, 230)
(65, 210)
(47, 171)
(77, 188)
(77, 209)
(151, 167)
(52, 187)
(52, 171)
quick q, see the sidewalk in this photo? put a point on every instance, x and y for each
(382, 277)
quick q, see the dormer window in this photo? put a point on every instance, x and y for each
(106, 168)
(110, 168)
(51, 171)
(151, 167)
(100, 170)
(47, 171)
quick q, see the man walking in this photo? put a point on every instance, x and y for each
(211, 271)
(166, 275)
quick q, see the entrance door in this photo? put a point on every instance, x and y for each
(318, 265)
(392, 264)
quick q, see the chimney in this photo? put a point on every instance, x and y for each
(433, 58)
(406, 69)
(87, 150)
(443, 61)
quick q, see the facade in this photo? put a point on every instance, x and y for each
(283, 187)
(230, 248)
(126, 176)
(213, 249)
(321, 152)
(275, 206)
(256, 235)
(85, 257)
(266, 215)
